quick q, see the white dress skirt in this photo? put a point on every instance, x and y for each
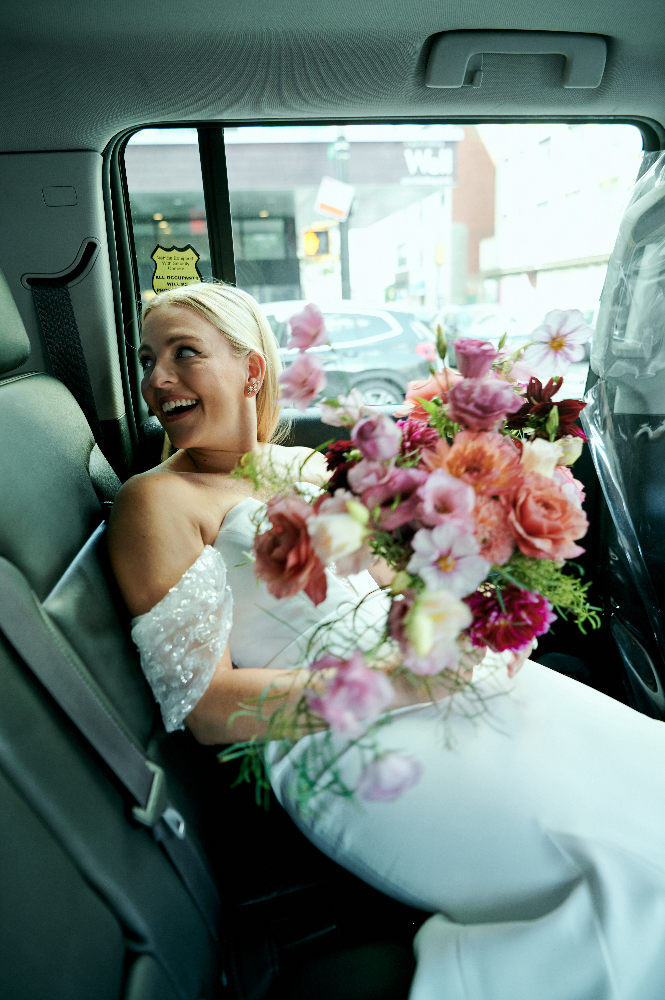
(535, 836)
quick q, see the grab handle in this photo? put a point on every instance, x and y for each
(448, 63)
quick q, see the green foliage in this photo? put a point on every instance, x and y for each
(562, 589)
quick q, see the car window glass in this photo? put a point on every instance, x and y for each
(166, 200)
(482, 229)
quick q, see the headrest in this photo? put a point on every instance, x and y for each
(14, 343)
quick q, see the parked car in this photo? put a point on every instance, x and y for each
(373, 350)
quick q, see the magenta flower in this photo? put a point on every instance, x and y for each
(302, 382)
(377, 437)
(447, 559)
(482, 404)
(355, 697)
(524, 616)
(387, 777)
(426, 350)
(560, 341)
(396, 496)
(308, 329)
(445, 498)
(417, 437)
(474, 357)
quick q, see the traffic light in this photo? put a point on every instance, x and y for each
(316, 242)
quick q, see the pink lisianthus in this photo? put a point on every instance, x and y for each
(378, 438)
(355, 697)
(492, 530)
(396, 496)
(447, 559)
(545, 523)
(474, 357)
(302, 381)
(285, 557)
(559, 342)
(388, 777)
(337, 530)
(364, 475)
(308, 328)
(429, 631)
(445, 498)
(482, 404)
(571, 488)
(436, 385)
(348, 411)
(426, 350)
(524, 616)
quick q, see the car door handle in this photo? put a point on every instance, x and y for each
(452, 52)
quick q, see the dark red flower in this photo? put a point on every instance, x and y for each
(338, 463)
(524, 616)
(538, 406)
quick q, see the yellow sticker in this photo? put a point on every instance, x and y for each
(174, 267)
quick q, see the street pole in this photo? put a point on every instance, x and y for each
(342, 174)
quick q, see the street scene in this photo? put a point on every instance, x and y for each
(393, 230)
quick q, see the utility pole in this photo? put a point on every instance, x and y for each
(342, 173)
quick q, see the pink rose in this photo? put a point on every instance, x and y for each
(378, 438)
(302, 382)
(544, 522)
(355, 697)
(436, 385)
(571, 488)
(482, 404)
(308, 329)
(285, 557)
(387, 777)
(474, 357)
(401, 486)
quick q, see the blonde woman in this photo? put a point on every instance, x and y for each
(536, 837)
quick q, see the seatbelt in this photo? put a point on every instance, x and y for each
(63, 344)
(55, 664)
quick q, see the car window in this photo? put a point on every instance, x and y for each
(484, 229)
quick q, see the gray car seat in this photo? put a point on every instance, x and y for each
(90, 905)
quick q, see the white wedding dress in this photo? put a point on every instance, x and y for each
(536, 835)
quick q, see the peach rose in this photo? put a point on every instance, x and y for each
(435, 385)
(285, 556)
(545, 523)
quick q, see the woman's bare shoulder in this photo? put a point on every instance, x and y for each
(155, 534)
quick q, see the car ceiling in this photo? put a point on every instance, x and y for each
(78, 72)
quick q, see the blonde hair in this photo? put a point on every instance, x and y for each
(240, 320)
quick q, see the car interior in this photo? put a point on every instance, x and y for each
(132, 867)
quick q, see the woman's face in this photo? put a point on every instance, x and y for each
(192, 382)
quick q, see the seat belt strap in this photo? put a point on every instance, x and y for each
(63, 344)
(55, 664)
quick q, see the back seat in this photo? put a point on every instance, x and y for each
(90, 905)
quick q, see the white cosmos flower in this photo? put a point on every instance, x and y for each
(560, 341)
(447, 559)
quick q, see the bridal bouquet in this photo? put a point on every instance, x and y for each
(470, 500)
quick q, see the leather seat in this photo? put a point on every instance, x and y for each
(90, 904)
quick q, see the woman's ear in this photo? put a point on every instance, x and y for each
(256, 366)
